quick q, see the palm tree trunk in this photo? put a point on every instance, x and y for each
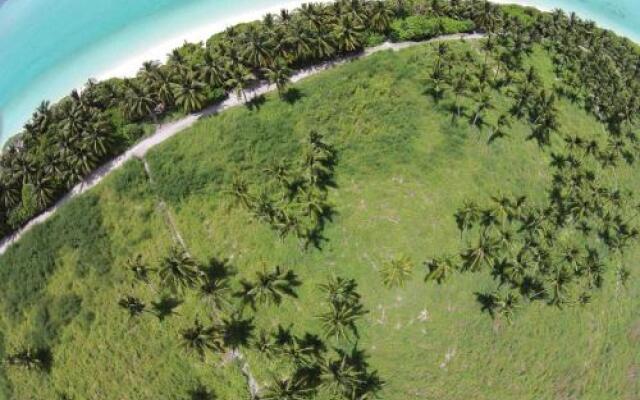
(475, 119)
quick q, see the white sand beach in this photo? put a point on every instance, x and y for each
(160, 51)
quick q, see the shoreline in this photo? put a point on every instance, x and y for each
(602, 22)
(160, 51)
(128, 67)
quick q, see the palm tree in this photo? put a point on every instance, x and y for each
(279, 74)
(268, 287)
(202, 393)
(300, 41)
(287, 389)
(397, 271)
(344, 377)
(198, 339)
(236, 331)
(239, 79)
(348, 34)
(460, 88)
(133, 305)
(313, 13)
(558, 282)
(9, 191)
(506, 304)
(165, 306)
(481, 254)
(139, 268)
(484, 105)
(380, 16)
(189, 93)
(500, 130)
(177, 62)
(215, 287)
(256, 51)
(162, 87)
(240, 191)
(97, 138)
(340, 290)
(43, 189)
(354, 9)
(42, 116)
(340, 319)
(178, 270)
(148, 72)
(467, 216)
(138, 103)
(439, 269)
(212, 72)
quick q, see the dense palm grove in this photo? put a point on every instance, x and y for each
(556, 250)
(294, 198)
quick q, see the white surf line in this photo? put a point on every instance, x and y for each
(166, 131)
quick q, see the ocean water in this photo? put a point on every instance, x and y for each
(48, 47)
(622, 16)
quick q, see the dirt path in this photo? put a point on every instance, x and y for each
(166, 131)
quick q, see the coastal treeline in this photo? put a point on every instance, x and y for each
(66, 141)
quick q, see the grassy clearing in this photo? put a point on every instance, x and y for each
(403, 170)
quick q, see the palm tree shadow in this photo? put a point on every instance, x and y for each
(437, 95)
(487, 303)
(256, 103)
(165, 306)
(238, 332)
(45, 357)
(201, 393)
(218, 269)
(292, 95)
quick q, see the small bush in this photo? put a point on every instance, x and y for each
(132, 132)
(373, 39)
(419, 27)
(215, 95)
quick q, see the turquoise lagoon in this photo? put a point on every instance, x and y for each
(48, 47)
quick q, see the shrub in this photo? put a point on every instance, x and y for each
(132, 132)
(373, 39)
(420, 27)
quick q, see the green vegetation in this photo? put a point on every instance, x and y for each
(66, 141)
(508, 161)
(420, 27)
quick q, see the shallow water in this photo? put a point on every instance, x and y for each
(48, 47)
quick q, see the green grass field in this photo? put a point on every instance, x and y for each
(403, 169)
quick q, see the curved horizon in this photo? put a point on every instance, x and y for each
(49, 57)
